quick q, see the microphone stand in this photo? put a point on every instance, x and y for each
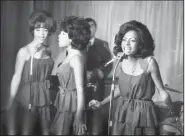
(110, 123)
(31, 72)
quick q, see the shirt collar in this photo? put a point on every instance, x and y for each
(92, 41)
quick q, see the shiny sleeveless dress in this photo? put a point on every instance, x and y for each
(34, 89)
(135, 108)
(65, 102)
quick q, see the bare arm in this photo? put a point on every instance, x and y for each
(116, 91)
(156, 76)
(77, 63)
(20, 60)
(96, 104)
(116, 95)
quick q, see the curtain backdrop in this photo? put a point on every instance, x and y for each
(14, 35)
(163, 18)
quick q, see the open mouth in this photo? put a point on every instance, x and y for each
(127, 50)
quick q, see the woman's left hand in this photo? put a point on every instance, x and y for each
(79, 128)
(95, 104)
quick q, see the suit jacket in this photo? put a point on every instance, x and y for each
(97, 55)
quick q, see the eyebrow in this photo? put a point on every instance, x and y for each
(41, 28)
(91, 23)
(131, 37)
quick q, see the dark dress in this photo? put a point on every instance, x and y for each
(135, 108)
(39, 97)
(35, 91)
(66, 101)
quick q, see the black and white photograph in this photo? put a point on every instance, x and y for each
(92, 68)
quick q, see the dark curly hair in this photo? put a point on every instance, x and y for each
(145, 38)
(78, 31)
(91, 20)
(41, 18)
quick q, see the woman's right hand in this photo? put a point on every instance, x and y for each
(95, 104)
(79, 128)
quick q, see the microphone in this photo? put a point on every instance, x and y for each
(31, 72)
(31, 63)
(114, 59)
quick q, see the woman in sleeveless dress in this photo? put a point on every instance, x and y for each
(29, 91)
(138, 75)
(70, 101)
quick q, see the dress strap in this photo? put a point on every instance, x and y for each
(118, 70)
(29, 56)
(148, 62)
(65, 55)
(69, 59)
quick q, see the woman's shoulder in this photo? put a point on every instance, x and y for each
(77, 53)
(23, 53)
(151, 63)
(23, 50)
(148, 60)
(77, 58)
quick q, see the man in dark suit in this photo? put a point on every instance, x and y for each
(98, 53)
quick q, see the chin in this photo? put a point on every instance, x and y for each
(62, 45)
(127, 53)
(39, 42)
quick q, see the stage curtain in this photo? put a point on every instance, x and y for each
(14, 35)
(163, 18)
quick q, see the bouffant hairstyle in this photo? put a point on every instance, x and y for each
(78, 31)
(42, 19)
(146, 41)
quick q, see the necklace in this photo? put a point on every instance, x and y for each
(131, 76)
(37, 48)
(134, 67)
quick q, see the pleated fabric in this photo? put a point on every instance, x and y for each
(34, 89)
(65, 102)
(135, 108)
